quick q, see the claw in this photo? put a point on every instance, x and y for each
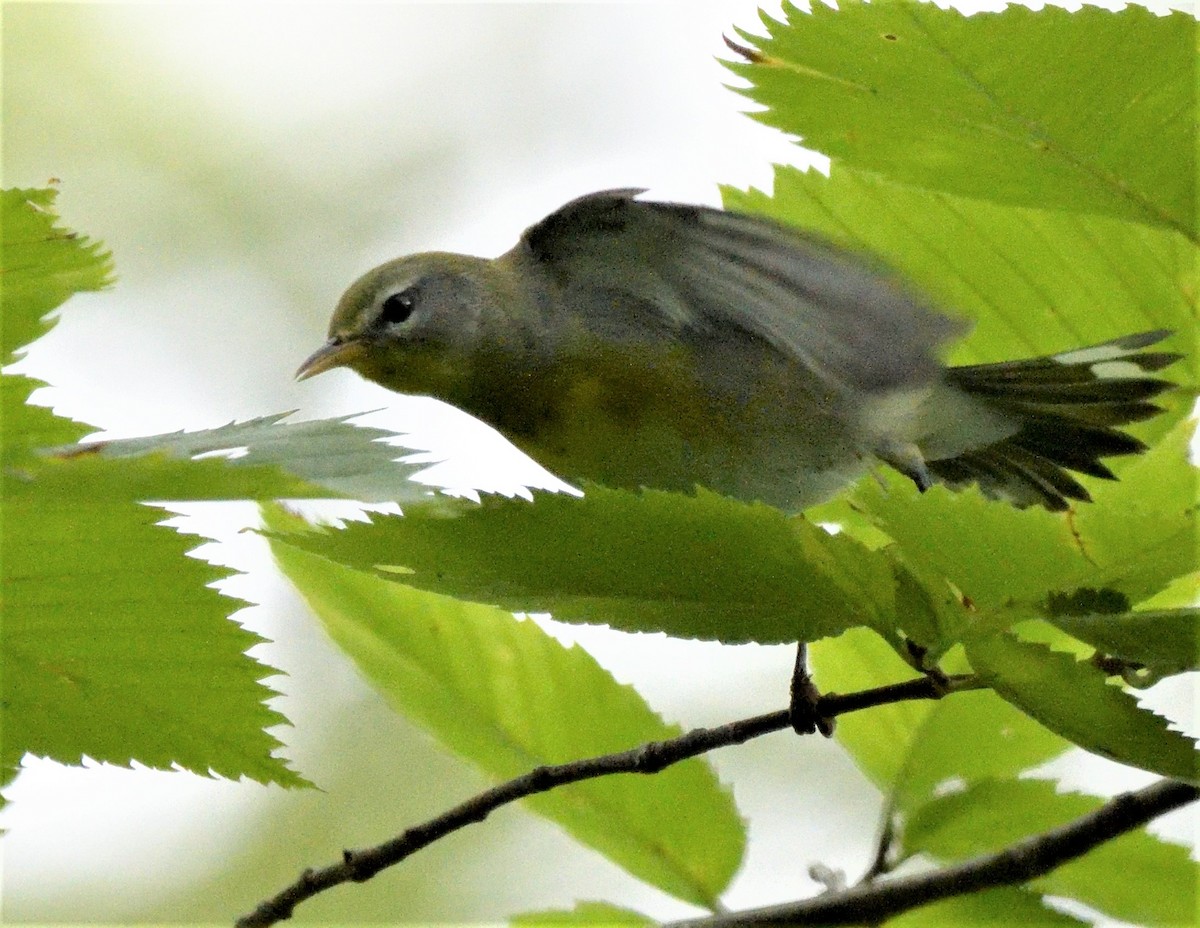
(907, 459)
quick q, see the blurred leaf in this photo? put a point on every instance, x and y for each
(1136, 878)
(933, 98)
(1182, 591)
(1034, 281)
(697, 567)
(41, 264)
(1165, 642)
(584, 913)
(342, 459)
(509, 698)
(991, 908)
(1075, 701)
(967, 737)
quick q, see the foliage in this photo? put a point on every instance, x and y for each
(508, 697)
(1030, 279)
(1050, 215)
(936, 100)
(991, 813)
(97, 662)
(702, 567)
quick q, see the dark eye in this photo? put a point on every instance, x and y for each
(398, 307)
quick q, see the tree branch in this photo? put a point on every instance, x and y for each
(873, 903)
(361, 865)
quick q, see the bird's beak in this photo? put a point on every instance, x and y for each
(337, 352)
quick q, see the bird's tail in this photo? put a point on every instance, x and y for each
(1068, 408)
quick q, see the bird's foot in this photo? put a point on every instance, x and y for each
(804, 708)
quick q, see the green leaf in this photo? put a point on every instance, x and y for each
(1137, 536)
(332, 456)
(1034, 281)
(991, 551)
(509, 698)
(1141, 532)
(1075, 701)
(932, 98)
(699, 567)
(877, 740)
(102, 662)
(840, 512)
(41, 265)
(1085, 601)
(98, 662)
(115, 647)
(992, 908)
(967, 737)
(584, 913)
(1180, 592)
(929, 613)
(28, 427)
(83, 474)
(1136, 878)
(1164, 642)
(909, 749)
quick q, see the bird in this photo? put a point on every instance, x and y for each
(643, 344)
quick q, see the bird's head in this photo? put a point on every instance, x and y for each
(412, 324)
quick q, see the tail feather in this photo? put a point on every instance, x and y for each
(1070, 439)
(1016, 476)
(1051, 478)
(1066, 408)
(1099, 413)
(1057, 392)
(1076, 449)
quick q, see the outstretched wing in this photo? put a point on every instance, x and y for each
(853, 325)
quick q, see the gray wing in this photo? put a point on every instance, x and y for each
(700, 268)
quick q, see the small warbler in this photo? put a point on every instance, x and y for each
(637, 343)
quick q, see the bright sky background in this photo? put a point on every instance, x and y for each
(244, 162)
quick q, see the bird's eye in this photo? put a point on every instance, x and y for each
(398, 307)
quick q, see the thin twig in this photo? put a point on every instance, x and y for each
(873, 903)
(882, 862)
(357, 866)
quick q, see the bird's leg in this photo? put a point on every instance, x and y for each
(802, 711)
(936, 675)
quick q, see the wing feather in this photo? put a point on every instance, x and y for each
(847, 320)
